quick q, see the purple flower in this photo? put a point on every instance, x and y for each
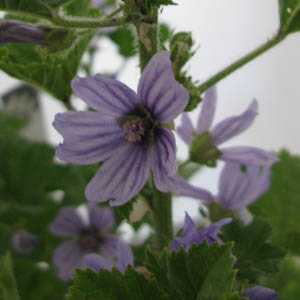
(130, 133)
(17, 32)
(260, 293)
(23, 242)
(206, 140)
(86, 239)
(191, 235)
(240, 186)
(97, 3)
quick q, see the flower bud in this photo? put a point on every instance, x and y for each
(23, 242)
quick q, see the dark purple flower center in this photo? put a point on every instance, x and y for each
(134, 130)
(90, 240)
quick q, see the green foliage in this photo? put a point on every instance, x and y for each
(8, 286)
(289, 15)
(280, 206)
(256, 256)
(114, 285)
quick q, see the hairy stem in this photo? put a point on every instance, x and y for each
(241, 62)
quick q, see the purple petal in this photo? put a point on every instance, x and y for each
(260, 293)
(121, 177)
(233, 126)
(101, 218)
(207, 114)
(67, 223)
(96, 262)
(186, 130)
(107, 96)
(248, 156)
(159, 91)
(66, 258)
(89, 137)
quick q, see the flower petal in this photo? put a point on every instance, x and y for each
(208, 109)
(159, 91)
(248, 156)
(102, 218)
(233, 126)
(67, 223)
(106, 95)
(186, 129)
(97, 262)
(89, 137)
(260, 293)
(121, 177)
(66, 258)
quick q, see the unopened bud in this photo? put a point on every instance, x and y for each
(23, 242)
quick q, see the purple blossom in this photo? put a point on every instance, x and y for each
(240, 186)
(85, 239)
(17, 32)
(191, 235)
(222, 132)
(23, 242)
(130, 133)
(260, 293)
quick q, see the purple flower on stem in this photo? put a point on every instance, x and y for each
(17, 32)
(86, 239)
(239, 186)
(130, 133)
(23, 242)
(260, 293)
(206, 140)
(191, 235)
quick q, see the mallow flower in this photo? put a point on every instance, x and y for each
(190, 235)
(87, 238)
(130, 133)
(239, 186)
(206, 140)
(18, 32)
(260, 293)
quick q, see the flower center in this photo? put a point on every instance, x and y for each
(90, 240)
(134, 130)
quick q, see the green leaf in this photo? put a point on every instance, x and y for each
(114, 285)
(8, 286)
(205, 272)
(256, 256)
(289, 15)
(280, 206)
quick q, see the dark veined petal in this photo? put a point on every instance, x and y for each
(208, 109)
(102, 218)
(260, 293)
(159, 91)
(186, 129)
(67, 257)
(89, 137)
(121, 177)
(67, 223)
(233, 126)
(97, 262)
(248, 156)
(106, 95)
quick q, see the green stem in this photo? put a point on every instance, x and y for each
(241, 62)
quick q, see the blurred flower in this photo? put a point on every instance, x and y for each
(17, 32)
(191, 235)
(260, 293)
(93, 238)
(239, 186)
(23, 242)
(206, 141)
(130, 133)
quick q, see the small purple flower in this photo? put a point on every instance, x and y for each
(260, 293)
(86, 239)
(130, 133)
(18, 32)
(23, 242)
(222, 132)
(239, 186)
(191, 235)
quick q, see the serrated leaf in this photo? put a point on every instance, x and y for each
(289, 15)
(114, 285)
(8, 286)
(256, 256)
(280, 206)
